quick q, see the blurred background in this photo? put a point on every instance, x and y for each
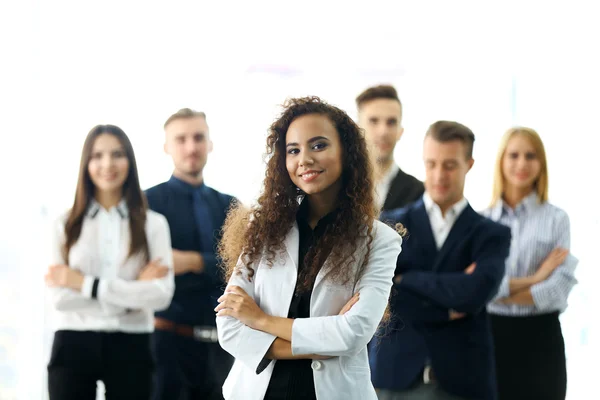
(69, 65)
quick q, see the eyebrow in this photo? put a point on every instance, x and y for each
(311, 140)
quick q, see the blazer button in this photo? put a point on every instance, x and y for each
(316, 365)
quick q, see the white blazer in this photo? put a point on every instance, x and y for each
(345, 376)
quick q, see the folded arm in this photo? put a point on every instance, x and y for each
(466, 293)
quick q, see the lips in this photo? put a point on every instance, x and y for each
(310, 175)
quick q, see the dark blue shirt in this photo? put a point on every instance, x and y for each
(187, 209)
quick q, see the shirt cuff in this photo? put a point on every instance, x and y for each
(87, 286)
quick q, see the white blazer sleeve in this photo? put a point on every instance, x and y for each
(245, 344)
(155, 294)
(344, 335)
(65, 299)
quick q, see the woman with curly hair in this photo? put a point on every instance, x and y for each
(309, 267)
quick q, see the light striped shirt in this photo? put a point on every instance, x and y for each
(536, 229)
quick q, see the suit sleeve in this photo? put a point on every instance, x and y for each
(459, 291)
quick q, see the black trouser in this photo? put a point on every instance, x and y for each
(530, 357)
(122, 361)
(187, 369)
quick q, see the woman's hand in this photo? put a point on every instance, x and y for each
(63, 276)
(554, 259)
(348, 306)
(236, 303)
(153, 270)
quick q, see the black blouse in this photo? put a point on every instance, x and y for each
(293, 379)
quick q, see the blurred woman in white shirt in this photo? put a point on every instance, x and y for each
(110, 268)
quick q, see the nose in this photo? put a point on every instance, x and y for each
(306, 159)
(107, 161)
(521, 162)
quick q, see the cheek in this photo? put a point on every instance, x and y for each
(93, 168)
(290, 166)
(123, 165)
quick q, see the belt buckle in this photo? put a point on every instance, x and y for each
(206, 334)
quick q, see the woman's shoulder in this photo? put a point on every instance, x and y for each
(155, 220)
(553, 212)
(385, 232)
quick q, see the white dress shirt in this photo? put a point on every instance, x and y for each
(383, 186)
(122, 303)
(537, 229)
(442, 224)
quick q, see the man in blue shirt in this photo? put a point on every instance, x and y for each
(190, 364)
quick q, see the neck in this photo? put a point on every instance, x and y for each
(192, 179)
(514, 195)
(321, 204)
(382, 167)
(108, 199)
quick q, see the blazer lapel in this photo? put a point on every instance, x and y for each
(292, 244)
(421, 227)
(395, 191)
(459, 231)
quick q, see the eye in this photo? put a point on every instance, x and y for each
(319, 146)
(118, 154)
(293, 151)
(530, 156)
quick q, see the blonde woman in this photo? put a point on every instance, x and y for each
(529, 346)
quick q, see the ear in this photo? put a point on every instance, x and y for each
(471, 162)
(210, 145)
(400, 132)
(165, 149)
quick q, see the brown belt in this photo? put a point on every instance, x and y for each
(201, 333)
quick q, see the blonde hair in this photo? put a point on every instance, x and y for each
(541, 183)
(184, 113)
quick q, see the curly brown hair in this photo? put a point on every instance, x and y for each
(251, 233)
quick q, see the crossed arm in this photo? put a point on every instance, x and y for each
(427, 296)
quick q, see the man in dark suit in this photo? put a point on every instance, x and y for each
(380, 116)
(190, 363)
(438, 345)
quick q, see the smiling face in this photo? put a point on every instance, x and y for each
(314, 154)
(521, 165)
(108, 166)
(446, 168)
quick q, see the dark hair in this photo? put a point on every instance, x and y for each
(136, 202)
(250, 233)
(448, 131)
(377, 92)
(184, 113)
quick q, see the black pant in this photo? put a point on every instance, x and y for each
(122, 361)
(187, 369)
(530, 357)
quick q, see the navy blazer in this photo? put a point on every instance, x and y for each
(433, 283)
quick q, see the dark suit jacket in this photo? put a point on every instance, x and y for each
(404, 190)
(433, 282)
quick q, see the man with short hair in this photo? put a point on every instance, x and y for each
(439, 345)
(190, 364)
(380, 116)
